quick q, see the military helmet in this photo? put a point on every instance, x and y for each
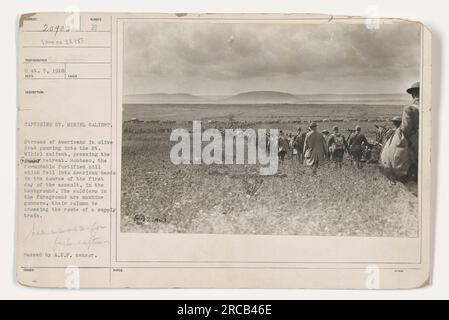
(396, 119)
(414, 86)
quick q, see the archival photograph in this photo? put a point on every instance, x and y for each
(270, 128)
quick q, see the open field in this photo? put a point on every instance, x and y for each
(158, 196)
(260, 112)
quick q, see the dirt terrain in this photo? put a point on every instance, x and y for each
(158, 196)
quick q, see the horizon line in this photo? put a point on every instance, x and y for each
(295, 94)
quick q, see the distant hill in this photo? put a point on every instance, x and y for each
(271, 97)
(163, 98)
(262, 97)
(377, 98)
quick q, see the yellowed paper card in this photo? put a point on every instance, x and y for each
(223, 151)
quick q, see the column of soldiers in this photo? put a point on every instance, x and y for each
(314, 148)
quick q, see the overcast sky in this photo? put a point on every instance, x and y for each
(224, 58)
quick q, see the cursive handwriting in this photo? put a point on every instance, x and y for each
(35, 231)
(55, 28)
(90, 242)
(86, 235)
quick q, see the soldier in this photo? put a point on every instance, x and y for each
(267, 142)
(337, 146)
(357, 142)
(290, 145)
(326, 135)
(298, 144)
(410, 129)
(397, 121)
(314, 148)
(282, 146)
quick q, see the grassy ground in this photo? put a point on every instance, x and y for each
(158, 196)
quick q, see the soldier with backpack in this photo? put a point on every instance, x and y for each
(314, 148)
(356, 143)
(282, 146)
(298, 144)
(337, 146)
(399, 156)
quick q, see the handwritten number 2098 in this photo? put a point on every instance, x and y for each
(55, 28)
